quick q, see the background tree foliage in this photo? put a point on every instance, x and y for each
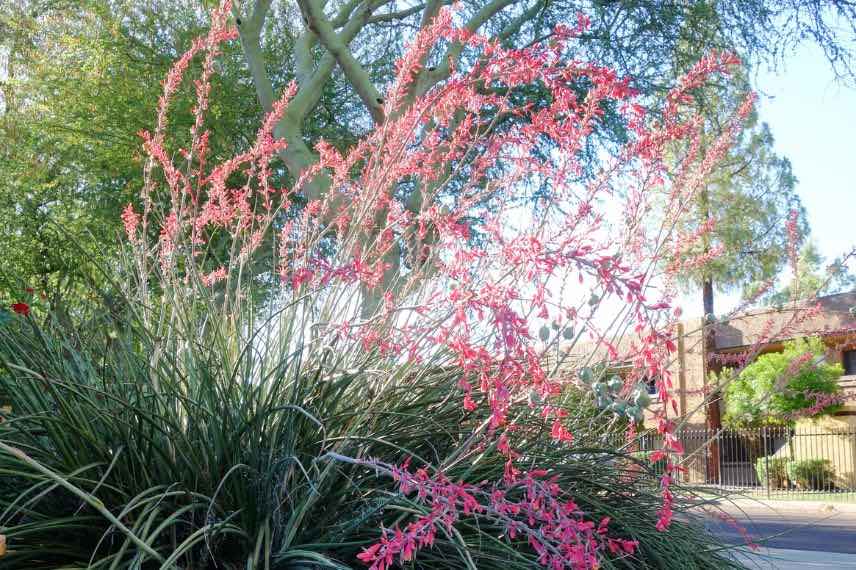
(746, 201)
(777, 387)
(79, 80)
(814, 277)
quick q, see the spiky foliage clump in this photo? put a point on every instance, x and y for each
(342, 371)
(212, 449)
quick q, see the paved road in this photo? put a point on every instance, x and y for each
(781, 559)
(793, 536)
(793, 529)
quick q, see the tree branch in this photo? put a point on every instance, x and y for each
(453, 54)
(250, 32)
(393, 16)
(344, 14)
(514, 26)
(303, 62)
(298, 156)
(310, 92)
(257, 18)
(432, 8)
(356, 74)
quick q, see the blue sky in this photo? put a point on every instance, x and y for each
(813, 119)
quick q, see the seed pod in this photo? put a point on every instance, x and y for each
(641, 397)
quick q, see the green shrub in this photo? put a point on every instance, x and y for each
(814, 474)
(214, 450)
(771, 390)
(772, 471)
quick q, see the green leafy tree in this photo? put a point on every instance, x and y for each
(748, 200)
(79, 81)
(778, 387)
(814, 278)
(740, 215)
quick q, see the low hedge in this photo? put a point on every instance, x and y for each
(776, 468)
(814, 474)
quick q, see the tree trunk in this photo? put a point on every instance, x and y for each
(707, 297)
(712, 411)
(714, 419)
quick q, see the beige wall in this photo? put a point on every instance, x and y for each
(829, 438)
(767, 327)
(689, 386)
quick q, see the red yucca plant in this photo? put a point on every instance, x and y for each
(437, 244)
(453, 227)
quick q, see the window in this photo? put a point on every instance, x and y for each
(848, 359)
(651, 384)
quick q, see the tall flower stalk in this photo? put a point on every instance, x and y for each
(448, 235)
(458, 276)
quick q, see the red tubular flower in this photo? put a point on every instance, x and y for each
(131, 220)
(472, 299)
(21, 308)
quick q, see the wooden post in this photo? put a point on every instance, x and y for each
(714, 419)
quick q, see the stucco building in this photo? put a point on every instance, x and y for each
(753, 333)
(728, 457)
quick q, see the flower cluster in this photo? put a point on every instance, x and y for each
(531, 507)
(413, 244)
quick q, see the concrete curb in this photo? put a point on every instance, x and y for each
(783, 559)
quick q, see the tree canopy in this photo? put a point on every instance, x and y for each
(780, 387)
(813, 277)
(80, 80)
(743, 215)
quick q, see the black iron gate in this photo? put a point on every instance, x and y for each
(769, 460)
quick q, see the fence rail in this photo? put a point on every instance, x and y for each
(769, 460)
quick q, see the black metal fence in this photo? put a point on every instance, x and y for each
(770, 461)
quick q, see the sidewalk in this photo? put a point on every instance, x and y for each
(782, 559)
(777, 506)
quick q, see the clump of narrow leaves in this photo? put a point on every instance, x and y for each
(339, 370)
(218, 450)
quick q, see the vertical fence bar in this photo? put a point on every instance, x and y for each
(766, 458)
(789, 434)
(830, 452)
(706, 458)
(778, 486)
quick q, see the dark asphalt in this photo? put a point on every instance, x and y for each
(794, 529)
